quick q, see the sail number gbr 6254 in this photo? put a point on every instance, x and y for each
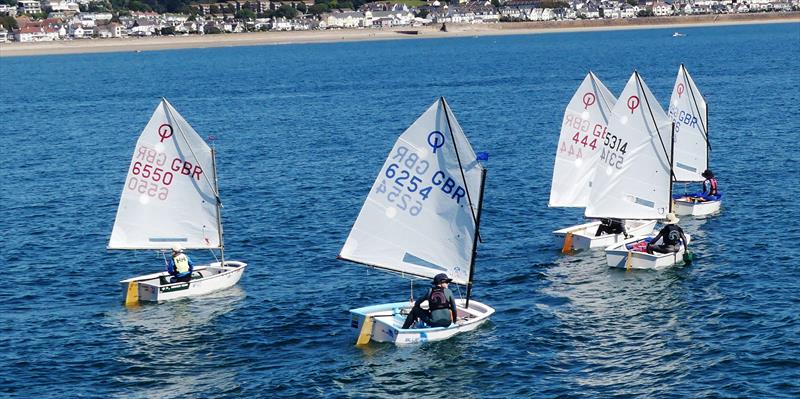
(407, 186)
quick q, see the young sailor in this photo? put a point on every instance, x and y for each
(671, 236)
(611, 226)
(710, 190)
(180, 265)
(441, 310)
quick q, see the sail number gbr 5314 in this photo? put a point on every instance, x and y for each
(408, 181)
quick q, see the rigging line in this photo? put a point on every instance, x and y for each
(594, 86)
(653, 118)
(183, 135)
(704, 130)
(458, 158)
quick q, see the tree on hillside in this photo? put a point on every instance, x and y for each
(285, 11)
(318, 9)
(633, 2)
(8, 22)
(301, 7)
(245, 13)
(12, 3)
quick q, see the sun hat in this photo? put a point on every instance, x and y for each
(177, 248)
(671, 219)
(708, 174)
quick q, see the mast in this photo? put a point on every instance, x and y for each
(475, 239)
(708, 141)
(671, 166)
(458, 157)
(475, 218)
(660, 139)
(219, 207)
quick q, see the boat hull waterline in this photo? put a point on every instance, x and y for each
(583, 235)
(388, 319)
(617, 257)
(214, 278)
(691, 208)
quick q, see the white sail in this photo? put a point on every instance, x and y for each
(579, 146)
(170, 194)
(633, 178)
(420, 215)
(688, 110)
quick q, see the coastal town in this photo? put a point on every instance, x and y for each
(54, 20)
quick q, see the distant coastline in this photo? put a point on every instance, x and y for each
(349, 35)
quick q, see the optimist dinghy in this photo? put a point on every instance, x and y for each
(689, 111)
(634, 178)
(421, 218)
(170, 198)
(632, 254)
(584, 133)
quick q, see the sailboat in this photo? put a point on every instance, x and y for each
(689, 111)
(634, 177)
(170, 198)
(421, 218)
(580, 146)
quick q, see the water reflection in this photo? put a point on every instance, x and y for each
(624, 328)
(170, 349)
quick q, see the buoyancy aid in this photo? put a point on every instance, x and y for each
(672, 235)
(181, 262)
(712, 187)
(437, 299)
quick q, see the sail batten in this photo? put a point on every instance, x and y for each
(170, 195)
(580, 143)
(633, 176)
(688, 110)
(419, 218)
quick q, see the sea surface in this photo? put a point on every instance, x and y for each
(301, 132)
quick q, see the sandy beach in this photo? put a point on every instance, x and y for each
(347, 35)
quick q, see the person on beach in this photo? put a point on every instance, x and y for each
(441, 310)
(671, 236)
(611, 226)
(180, 266)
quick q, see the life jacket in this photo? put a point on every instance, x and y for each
(712, 189)
(673, 235)
(437, 299)
(181, 263)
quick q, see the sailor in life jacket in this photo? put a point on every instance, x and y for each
(180, 265)
(671, 236)
(441, 310)
(710, 190)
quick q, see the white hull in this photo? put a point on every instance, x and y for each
(690, 208)
(583, 234)
(388, 322)
(617, 256)
(214, 278)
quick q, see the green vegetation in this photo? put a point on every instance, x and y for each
(9, 2)
(8, 22)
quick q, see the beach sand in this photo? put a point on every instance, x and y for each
(347, 35)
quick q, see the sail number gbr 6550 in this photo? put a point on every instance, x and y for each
(151, 174)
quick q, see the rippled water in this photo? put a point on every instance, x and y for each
(301, 132)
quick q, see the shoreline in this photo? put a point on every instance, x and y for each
(86, 46)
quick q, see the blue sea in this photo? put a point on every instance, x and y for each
(301, 132)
